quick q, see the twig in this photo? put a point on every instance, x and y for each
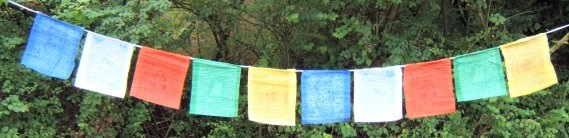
(559, 43)
(170, 125)
(519, 14)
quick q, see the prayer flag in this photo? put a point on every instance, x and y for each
(528, 65)
(215, 88)
(479, 75)
(378, 94)
(159, 77)
(52, 47)
(104, 65)
(427, 87)
(272, 96)
(325, 96)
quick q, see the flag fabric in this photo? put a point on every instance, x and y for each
(479, 75)
(325, 96)
(272, 96)
(378, 94)
(159, 77)
(428, 88)
(215, 88)
(52, 47)
(104, 65)
(528, 65)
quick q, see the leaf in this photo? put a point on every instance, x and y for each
(342, 31)
(83, 1)
(347, 130)
(536, 26)
(497, 19)
(308, 47)
(293, 18)
(326, 135)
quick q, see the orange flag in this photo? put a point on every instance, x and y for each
(272, 96)
(159, 77)
(428, 89)
(528, 65)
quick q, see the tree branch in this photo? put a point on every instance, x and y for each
(559, 43)
(444, 10)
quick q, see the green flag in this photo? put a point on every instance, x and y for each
(479, 75)
(215, 88)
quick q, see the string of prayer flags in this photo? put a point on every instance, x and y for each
(159, 77)
(215, 88)
(378, 94)
(479, 75)
(528, 65)
(272, 96)
(428, 88)
(104, 65)
(325, 96)
(52, 47)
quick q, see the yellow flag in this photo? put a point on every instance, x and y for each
(528, 65)
(272, 96)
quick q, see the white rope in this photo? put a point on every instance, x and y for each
(557, 29)
(247, 66)
(135, 45)
(23, 7)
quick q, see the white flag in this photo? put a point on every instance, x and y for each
(378, 94)
(104, 65)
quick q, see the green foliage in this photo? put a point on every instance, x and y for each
(282, 34)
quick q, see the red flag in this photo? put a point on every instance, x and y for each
(159, 77)
(428, 88)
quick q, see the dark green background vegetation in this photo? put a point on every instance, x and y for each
(302, 34)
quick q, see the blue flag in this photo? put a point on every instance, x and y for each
(325, 96)
(52, 47)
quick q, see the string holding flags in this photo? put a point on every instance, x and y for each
(426, 88)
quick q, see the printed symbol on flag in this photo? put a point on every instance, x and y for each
(325, 96)
(104, 65)
(428, 88)
(528, 65)
(159, 77)
(215, 88)
(479, 75)
(272, 96)
(52, 47)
